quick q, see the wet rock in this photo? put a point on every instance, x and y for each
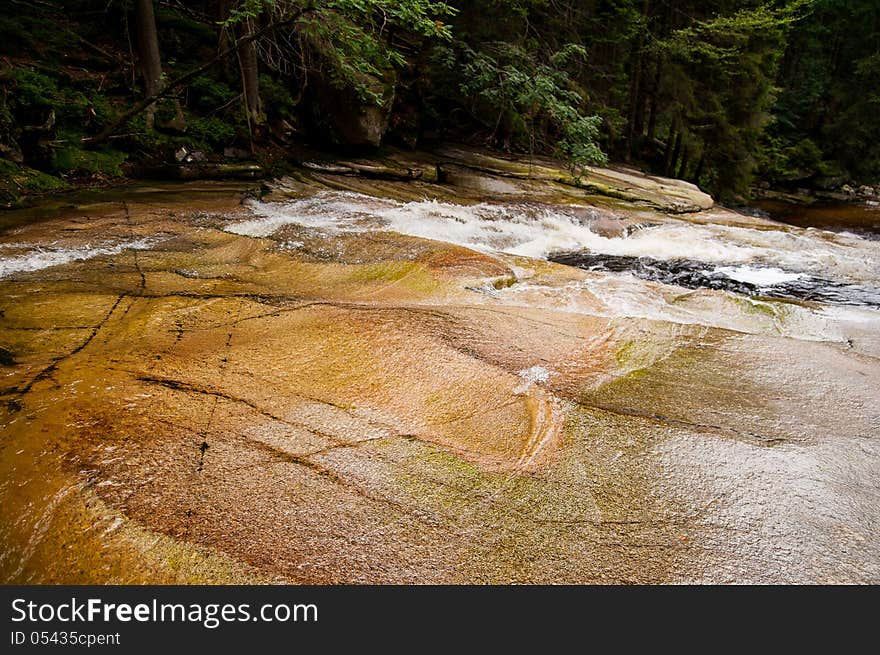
(665, 194)
(283, 130)
(220, 170)
(6, 357)
(480, 173)
(222, 408)
(462, 176)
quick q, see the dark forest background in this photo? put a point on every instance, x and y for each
(725, 93)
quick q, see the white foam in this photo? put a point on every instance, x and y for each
(532, 376)
(333, 211)
(535, 374)
(759, 277)
(40, 257)
(540, 230)
(624, 295)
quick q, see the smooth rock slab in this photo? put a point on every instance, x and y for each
(219, 408)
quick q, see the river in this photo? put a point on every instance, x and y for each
(352, 380)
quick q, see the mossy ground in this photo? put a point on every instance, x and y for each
(18, 182)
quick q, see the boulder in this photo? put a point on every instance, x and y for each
(189, 155)
(343, 118)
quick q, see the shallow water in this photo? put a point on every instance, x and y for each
(23, 257)
(862, 218)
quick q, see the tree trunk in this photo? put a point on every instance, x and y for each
(673, 149)
(631, 110)
(641, 104)
(224, 7)
(250, 77)
(698, 173)
(682, 168)
(635, 111)
(185, 79)
(670, 141)
(148, 54)
(652, 105)
(676, 151)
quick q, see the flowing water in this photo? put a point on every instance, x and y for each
(23, 257)
(351, 386)
(813, 265)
